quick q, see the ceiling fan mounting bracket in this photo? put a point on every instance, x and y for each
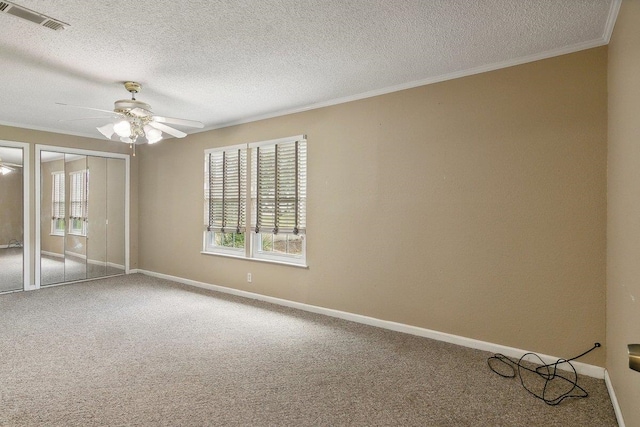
(132, 87)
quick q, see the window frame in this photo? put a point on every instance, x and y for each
(253, 240)
(284, 258)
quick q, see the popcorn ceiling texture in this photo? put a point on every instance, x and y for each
(225, 62)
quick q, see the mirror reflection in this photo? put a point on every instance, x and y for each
(97, 232)
(11, 219)
(52, 217)
(82, 205)
(76, 201)
(116, 187)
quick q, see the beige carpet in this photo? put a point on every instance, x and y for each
(11, 269)
(138, 351)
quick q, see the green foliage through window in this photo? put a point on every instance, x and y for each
(229, 240)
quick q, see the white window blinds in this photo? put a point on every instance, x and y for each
(57, 196)
(79, 197)
(279, 186)
(226, 189)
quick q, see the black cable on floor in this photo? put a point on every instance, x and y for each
(508, 368)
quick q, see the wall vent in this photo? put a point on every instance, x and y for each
(32, 16)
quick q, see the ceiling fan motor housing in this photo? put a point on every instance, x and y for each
(124, 105)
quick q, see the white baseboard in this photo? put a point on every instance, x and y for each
(10, 246)
(52, 254)
(581, 368)
(84, 257)
(108, 264)
(614, 399)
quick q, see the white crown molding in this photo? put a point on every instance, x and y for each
(437, 79)
(581, 368)
(611, 20)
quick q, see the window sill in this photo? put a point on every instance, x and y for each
(267, 261)
(75, 233)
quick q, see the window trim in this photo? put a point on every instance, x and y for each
(256, 253)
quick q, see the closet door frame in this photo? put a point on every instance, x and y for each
(26, 211)
(38, 193)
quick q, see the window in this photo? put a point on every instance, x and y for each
(79, 202)
(226, 199)
(279, 200)
(57, 203)
(278, 183)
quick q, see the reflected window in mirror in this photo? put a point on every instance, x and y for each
(79, 201)
(57, 204)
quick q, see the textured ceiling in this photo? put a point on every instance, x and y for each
(226, 62)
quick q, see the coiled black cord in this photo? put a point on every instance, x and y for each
(548, 372)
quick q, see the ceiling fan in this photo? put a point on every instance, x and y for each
(133, 121)
(6, 168)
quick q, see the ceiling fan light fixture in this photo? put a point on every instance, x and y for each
(153, 135)
(122, 128)
(107, 130)
(133, 121)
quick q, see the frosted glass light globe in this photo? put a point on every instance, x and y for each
(122, 128)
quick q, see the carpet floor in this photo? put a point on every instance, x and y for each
(11, 269)
(141, 351)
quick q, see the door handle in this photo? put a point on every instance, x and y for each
(634, 356)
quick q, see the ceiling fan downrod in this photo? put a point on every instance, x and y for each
(133, 88)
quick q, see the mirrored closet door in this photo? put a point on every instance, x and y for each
(12, 212)
(82, 216)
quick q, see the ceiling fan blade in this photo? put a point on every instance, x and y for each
(4, 169)
(86, 118)
(87, 108)
(11, 165)
(166, 129)
(175, 121)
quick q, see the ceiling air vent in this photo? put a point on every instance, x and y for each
(31, 15)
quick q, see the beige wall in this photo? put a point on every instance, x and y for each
(475, 207)
(33, 137)
(11, 207)
(623, 225)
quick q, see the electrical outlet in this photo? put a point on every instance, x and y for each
(249, 277)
